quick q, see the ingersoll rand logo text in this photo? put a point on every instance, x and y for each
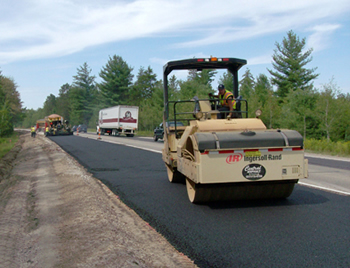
(234, 158)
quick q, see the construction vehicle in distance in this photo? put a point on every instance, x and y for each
(236, 158)
(57, 125)
(40, 125)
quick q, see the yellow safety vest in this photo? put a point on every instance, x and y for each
(33, 129)
(224, 101)
(47, 129)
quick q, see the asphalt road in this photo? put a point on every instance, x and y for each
(329, 163)
(309, 229)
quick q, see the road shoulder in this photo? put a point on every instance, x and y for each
(54, 213)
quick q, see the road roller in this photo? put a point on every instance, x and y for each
(231, 158)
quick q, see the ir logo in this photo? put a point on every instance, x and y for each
(233, 158)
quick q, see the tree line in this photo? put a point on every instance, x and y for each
(288, 98)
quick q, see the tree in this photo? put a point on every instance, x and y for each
(143, 88)
(77, 102)
(31, 116)
(298, 112)
(227, 81)
(62, 102)
(333, 110)
(50, 105)
(173, 88)
(191, 88)
(247, 84)
(10, 105)
(262, 97)
(289, 62)
(116, 81)
(6, 125)
(85, 82)
(341, 129)
(151, 111)
(262, 88)
(204, 77)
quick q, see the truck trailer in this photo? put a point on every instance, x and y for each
(121, 119)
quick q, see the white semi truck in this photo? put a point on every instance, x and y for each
(121, 119)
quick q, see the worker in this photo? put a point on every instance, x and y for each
(46, 131)
(227, 102)
(33, 131)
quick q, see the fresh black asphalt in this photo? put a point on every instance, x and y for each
(309, 229)
(329, 163)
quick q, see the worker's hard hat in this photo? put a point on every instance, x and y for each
(221, 86)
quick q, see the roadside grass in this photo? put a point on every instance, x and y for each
(7, 143)
(340, 148)
(144, 133)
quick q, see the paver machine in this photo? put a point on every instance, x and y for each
(235, 158)
(57, 125)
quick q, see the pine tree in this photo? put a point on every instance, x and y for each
(63, 105)
(265, 100)
(76, 100)
(116, 81)
(289, 62)
(246, 85)
(50, 105)
(144, 86)
(262, 88)
(204, 77)
(227, 81)
(85, 82)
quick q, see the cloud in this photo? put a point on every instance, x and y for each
(263, 59)
(321, 37)
(31, 29)
(258, 20)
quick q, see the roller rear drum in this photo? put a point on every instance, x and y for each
(202, 193)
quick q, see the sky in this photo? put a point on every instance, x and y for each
(44, 42)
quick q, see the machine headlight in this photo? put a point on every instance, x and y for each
(198, 115)
(258, 113)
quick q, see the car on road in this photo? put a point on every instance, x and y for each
(159, 130)
(82, 128)
(74, 128)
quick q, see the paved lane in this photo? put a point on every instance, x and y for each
(329, 162)
(309, 229)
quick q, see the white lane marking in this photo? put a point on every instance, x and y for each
(129, 145)
(137, 147)
(324, 188)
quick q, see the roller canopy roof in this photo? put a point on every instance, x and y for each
(232, 64)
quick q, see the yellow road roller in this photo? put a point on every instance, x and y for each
(232, 158)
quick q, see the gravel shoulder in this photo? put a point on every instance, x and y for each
(53, 213)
